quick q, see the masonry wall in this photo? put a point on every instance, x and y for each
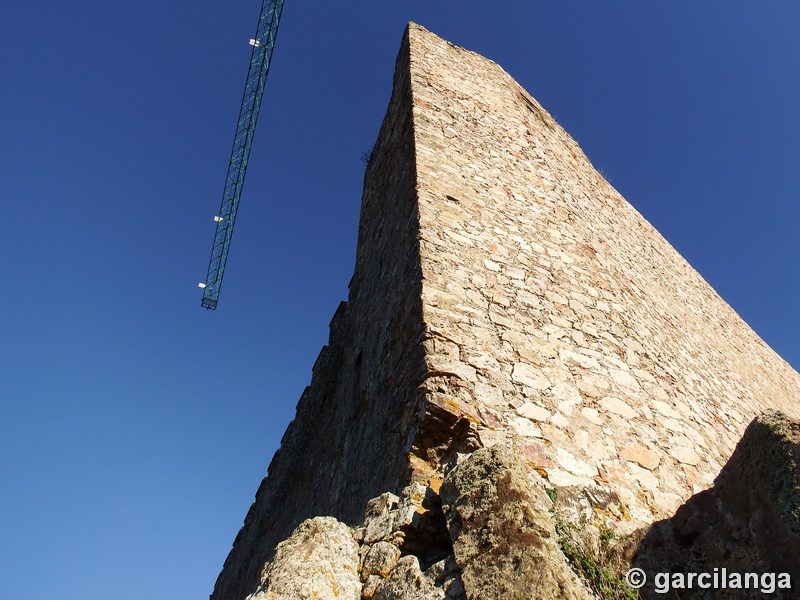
(504, 292)
(564, 320)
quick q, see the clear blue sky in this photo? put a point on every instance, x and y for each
(134, 425)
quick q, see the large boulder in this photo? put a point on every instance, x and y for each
(504, 535)
(319, 560)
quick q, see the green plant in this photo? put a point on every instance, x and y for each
(366, 157)
(606, 535)
(589, 560)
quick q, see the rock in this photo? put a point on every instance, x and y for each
(535, 454)
(573, 465)
(319, 560)
(525, 427)
(408, 582)
(593, 385)
(371, 586)
(533, 411)
(617, 406)
(379, 519)
(592, 415)
(503, 534)
(529, 376)
(685, 455)
(641, 455)
(380, 560)
(625, 380)
(446, 574)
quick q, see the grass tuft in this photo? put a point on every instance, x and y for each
(589, 558)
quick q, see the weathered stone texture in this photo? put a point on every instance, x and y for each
(504, 536)
(505, 293)
(401, 551)
(319, 560)
(406, 550)
(566, 318)
(494, 539)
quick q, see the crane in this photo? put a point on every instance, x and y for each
(260, 58)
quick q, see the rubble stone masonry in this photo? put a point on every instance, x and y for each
(504, 292)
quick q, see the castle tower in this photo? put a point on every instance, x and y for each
(505, 293)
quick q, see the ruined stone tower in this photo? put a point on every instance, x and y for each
(504, 293)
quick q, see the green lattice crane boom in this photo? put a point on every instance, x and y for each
(260, 58)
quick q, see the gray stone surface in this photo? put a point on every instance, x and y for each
(405, 557)
(405, 548)
(318, 561)
(504, 537)
(408, 582)
(380, 559)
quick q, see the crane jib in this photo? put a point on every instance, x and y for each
(260, 58)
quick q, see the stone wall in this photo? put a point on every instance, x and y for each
(505, 293)
(560, 315)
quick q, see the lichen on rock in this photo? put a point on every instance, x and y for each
(319, 560)
(503, 533)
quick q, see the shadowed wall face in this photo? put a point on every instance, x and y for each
(355, 422)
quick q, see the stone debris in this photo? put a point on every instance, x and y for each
(401, 551)
(494, 539)
(407, 581)
(380, 559)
